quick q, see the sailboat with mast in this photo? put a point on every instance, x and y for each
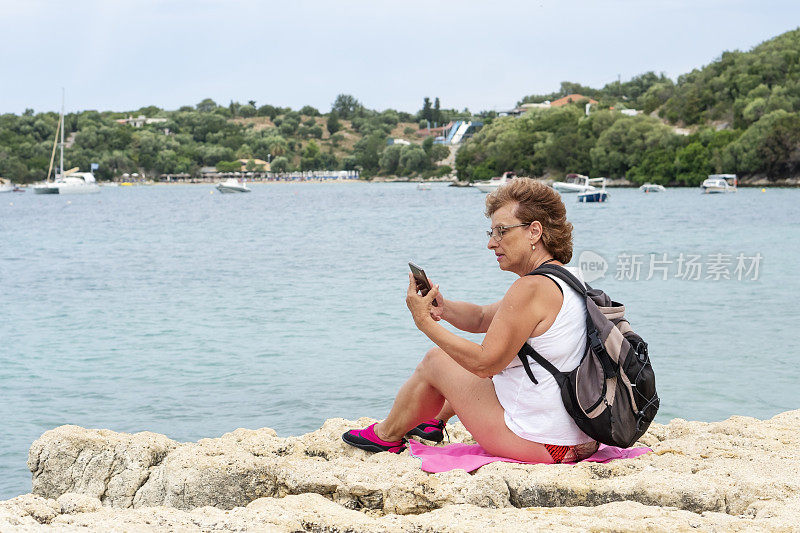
(65, 182)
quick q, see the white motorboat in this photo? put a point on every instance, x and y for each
(652, 187)
(65, 182)
(719, 183)
(574, 183)
(232, 185)
(422, 186)
(492, 184)
(6, 185)
(594, 195)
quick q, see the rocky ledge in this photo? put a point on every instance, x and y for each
(738, 474)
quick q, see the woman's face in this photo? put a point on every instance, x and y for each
(513, 252)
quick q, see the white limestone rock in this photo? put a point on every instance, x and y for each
(731, 473)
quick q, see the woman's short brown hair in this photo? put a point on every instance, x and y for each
(537, 201)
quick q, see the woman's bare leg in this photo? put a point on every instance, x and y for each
(474, 400)
(446, 413)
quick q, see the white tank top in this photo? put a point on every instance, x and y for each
(535, 411)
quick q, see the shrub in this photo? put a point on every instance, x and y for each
(229, 166)
(280, 164)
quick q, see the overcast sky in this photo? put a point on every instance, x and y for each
(125, 54)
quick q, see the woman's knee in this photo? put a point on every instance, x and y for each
(432, 362)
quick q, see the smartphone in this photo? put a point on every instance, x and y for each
(423, 286)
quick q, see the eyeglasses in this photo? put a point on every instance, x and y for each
(497, 232)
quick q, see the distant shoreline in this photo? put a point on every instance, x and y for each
(787, 183)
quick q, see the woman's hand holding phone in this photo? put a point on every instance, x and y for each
(421, 307)
(423, 286)
(437, 309)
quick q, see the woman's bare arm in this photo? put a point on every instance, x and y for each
(469, 317)
(518, 313)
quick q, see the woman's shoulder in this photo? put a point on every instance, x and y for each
(540, 288)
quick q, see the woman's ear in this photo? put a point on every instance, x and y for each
(536, 231)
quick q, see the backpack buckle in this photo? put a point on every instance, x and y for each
(600, 350)
(594, 342)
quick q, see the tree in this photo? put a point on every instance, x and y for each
(14, 169)
(390, 159)
(438, 152)
(333, 124)
(247, 111)
(692, 164)
(624, 144)
(346, 106)
(288, 127)
(280, 164)
(268, 111)
(437, 112)
(768, 147)
(413, 159)
(207, 105)
(149, 111)
(309, 111)
(366, 152)
(229, 166)
(656, 166)
(426, 113)
(251, 166)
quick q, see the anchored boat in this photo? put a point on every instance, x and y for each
(574, 183)
(492, 184)
(70, 181)
(595, 195)
(232, 185)
(652, 187)
(719, 183)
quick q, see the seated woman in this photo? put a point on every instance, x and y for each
(486, 384)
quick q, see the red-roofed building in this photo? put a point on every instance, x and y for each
(570, 98)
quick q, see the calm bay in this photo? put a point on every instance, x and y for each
(178, 310)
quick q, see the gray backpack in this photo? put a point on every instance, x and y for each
(611, 394)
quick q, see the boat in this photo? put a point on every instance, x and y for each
(65, 182)
(422, 186)
(492, 184)
(573, 183)
(719, 183)
(594, 195)
(652, 187)
(69, 182)
(232, 185)
(6, 185)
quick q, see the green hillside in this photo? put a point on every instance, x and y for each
(741, 113)
(348, 137)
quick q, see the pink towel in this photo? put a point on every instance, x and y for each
(470, 457)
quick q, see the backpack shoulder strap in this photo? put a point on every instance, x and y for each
(526, 351)
(563, 274)
(593, 335)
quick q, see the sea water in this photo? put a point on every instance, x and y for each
(179, 310)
